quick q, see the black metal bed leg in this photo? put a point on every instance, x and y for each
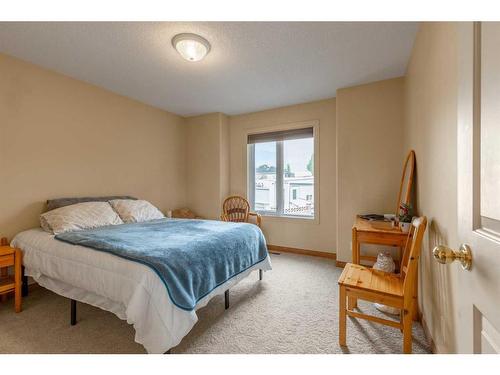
(73, 312)
(226, 299)
(260, 274)
(24, 287)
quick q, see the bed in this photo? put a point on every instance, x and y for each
(132, 290)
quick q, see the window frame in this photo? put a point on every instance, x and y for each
(250, 171)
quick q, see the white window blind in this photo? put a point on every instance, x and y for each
(280, 135)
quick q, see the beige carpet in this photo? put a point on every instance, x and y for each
(293, 310)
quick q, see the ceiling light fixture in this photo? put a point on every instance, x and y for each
(191, 47)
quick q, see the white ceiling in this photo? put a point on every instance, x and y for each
(252, 66)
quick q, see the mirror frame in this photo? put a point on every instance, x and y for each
(409, 159)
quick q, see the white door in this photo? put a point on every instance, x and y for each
(479, 186)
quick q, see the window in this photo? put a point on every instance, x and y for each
(281, 172)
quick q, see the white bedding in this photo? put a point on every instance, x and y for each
(129, 289)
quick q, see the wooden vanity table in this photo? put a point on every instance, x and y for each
(383, 232)
(375, 233)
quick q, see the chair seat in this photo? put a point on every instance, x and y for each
(355, 276)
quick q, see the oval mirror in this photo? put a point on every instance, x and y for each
(406, 181)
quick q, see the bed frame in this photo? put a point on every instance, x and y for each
(24, 293)
(72, 320)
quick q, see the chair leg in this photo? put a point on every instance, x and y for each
(342, 316)
(260, 275)
(352, 302)
(407, 323)
(401, 318)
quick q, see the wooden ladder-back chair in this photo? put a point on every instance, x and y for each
(386, 288)
(237, 209)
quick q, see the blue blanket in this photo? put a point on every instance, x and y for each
(191, 257)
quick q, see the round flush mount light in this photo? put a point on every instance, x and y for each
(191, 47)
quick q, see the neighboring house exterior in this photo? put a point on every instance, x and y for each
(298, 193)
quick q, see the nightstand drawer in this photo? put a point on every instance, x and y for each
(7, 284)
(6, 260)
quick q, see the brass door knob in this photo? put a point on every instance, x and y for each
(444, 255)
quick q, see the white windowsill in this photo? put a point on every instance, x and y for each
(308, 220)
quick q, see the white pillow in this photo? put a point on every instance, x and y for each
(135, 211)
(78, 217)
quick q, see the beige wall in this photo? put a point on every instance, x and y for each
(356, 174)
(431, 129)
(62, 137)
(224, 159)
(298, 233)
(370, 153)
(207, 163)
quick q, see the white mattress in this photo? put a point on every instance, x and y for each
(129, 289)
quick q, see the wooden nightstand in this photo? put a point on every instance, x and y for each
(10, 256)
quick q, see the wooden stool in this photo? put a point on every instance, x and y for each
(10, 256)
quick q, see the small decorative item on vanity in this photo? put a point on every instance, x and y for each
(385, 263)
(405, 217)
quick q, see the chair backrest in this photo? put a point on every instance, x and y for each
(411, 255)
(236, 208)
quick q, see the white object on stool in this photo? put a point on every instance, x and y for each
(385, 263)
